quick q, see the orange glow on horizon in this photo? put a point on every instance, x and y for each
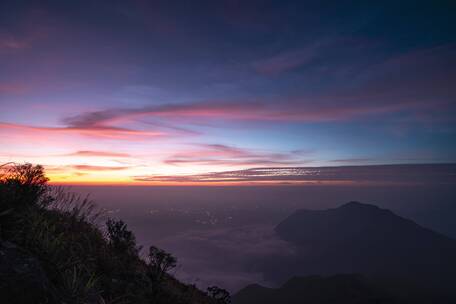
(291, 183)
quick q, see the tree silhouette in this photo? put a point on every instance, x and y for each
(23, 185)
(121, 239)
(160, 262)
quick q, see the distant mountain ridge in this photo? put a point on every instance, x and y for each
(341, 289)
(358, 253)
(362, 238)
(349, 222)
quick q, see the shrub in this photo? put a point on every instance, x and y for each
(121, 240)
(24, 185)
(219, 294)
(160, 262)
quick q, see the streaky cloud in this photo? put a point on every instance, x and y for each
(218, 154)
(413, 174)
(95, 131)
(98, 153)
(98, 168)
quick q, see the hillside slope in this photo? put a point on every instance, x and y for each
(54, 249)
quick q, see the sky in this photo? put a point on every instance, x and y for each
(184, 92)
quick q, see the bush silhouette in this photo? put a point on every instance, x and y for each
(219, 294)
(22, 185)
(121, 239)
(160, 262)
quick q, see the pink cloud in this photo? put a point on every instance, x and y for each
(98, 168)
(216, 154)
(13, 88)
(109, 123)
(100, 132)
(414, 85)
(322, 109)
(98, 153)
(11, 43)
(31, 28)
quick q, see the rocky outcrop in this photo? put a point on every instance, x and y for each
(22, 279)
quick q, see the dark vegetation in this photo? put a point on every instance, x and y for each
(53, 249)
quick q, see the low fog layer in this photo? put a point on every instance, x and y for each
(228, 257)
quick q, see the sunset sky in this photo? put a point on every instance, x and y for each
(189, 91)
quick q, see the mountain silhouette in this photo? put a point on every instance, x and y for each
(362, 238)
(341, 289)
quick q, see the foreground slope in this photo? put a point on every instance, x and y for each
(54, 249)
